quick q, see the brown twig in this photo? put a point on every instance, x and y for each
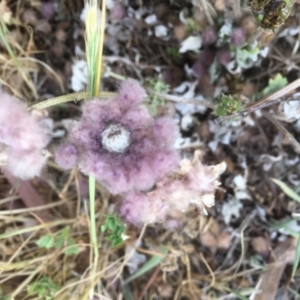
(150, 282)
(295, 144)
(179, 99)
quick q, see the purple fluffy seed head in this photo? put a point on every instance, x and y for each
(120, 143)
(131, 93)
(117, 12)
(238, 36)
(202, 65)
(165, 130)
(199, 68)
(48, 10)
(25, 164)
(23, 136)
(194, 184)
(209, 36)
(137, 208)
(66, 155)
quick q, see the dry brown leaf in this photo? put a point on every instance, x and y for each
(268, 282)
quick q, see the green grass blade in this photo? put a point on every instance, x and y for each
(287, 190)
(297, 257)
(92, 195)
(150, 264)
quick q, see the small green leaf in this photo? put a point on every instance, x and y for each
(65, 233)
(103, 227)
(111, 237)
(245, 57)
(117, 242)
(225, 31)
(287, 190)
(45, 288)
(46, 241)
(111, 224)
(159, 86)
(59, 242)
(275, 84)
(214, 71)
(115, 229)
(72, 248)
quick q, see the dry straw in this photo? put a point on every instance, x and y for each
(94, 52)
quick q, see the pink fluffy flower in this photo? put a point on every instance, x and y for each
(138, 209)
(120, 143)
(194, 183)
(23, 139)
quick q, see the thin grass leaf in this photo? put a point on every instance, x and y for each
(282, 224)
(239, 296)
(92, 196)
(149, 265)
(297, 257)
(287, 190)
(34, 228)
(285, 226)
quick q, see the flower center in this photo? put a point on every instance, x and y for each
(115, 138)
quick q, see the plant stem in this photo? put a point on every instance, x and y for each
(68, 98)
(94, 46)
(92, 195)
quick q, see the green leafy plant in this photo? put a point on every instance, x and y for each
(227, 105)
(275, 84)
(115, 229)
(45, 288)
(58, 241)
(157, 85)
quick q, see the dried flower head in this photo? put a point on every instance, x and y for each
(238, 36)
(23, 139)
(209, 36)
(120, 143)
(194, 184)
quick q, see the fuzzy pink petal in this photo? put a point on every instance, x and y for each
(131, 93)
(18, 128)
(97, 111)
(137, 208)
(66, 155)
(165, 162)
(137, 117)
(142, 175)
(25, 165)
(165, 131)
